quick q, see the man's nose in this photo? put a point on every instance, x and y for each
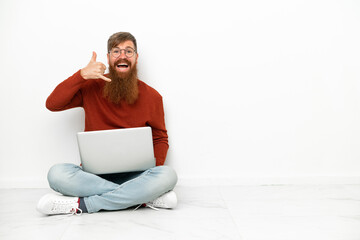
(122, 54)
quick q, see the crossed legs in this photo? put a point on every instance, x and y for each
(111, 191)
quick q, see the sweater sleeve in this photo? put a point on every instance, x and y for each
(67, 94)
(160, 137)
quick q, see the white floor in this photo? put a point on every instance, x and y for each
(285, 212)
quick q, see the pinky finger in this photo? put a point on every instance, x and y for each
(105, 78)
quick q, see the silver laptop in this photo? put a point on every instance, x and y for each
(116, 151)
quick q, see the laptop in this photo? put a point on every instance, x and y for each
(116, 151)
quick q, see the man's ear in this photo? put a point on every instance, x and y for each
(137, 55)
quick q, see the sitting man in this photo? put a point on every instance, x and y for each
(112, 101)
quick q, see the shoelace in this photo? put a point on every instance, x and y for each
(152, 207)
(146, 205)
(76, 211)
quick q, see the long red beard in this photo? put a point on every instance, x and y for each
(123, 86)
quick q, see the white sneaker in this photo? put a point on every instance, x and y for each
(58, 204)
(167, 200)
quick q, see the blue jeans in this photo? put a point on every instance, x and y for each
(111, 191)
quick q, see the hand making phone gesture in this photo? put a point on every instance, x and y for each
(94, 70)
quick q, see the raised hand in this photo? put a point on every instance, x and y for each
(94, 70)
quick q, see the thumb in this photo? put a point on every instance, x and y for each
(93, 58)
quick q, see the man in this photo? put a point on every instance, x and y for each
(115, 100)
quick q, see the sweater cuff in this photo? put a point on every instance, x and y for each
(160, 153)
(78, 76)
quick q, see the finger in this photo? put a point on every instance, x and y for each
(100, 70)
(103, 67)
(93, 58)
(105, 78)
(99, 65)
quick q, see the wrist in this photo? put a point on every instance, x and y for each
(83, 74)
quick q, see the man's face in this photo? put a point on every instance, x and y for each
(122, 63)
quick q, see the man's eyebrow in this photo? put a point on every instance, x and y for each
(125, 47)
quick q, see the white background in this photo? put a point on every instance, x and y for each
(254, 91)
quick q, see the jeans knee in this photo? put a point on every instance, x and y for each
(169, 175)
(59, 173)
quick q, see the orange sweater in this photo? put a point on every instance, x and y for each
(101, 114)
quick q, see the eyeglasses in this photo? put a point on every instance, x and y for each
(116, 52)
